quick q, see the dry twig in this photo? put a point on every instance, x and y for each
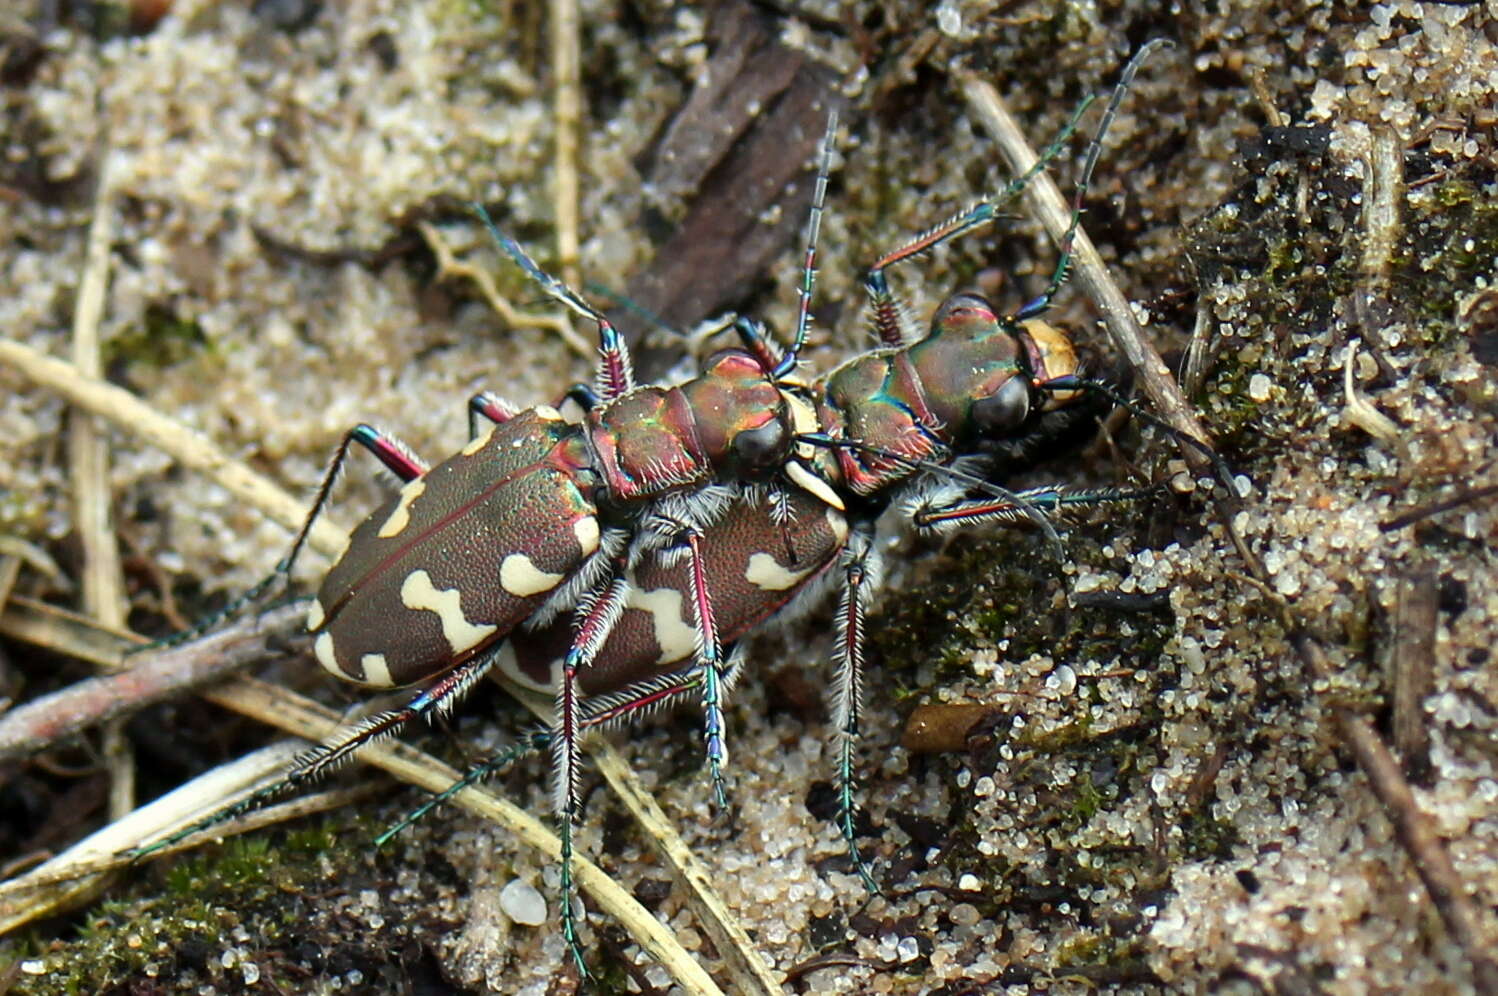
(566, 59)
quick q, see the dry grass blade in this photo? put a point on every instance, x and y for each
(189, 448)
(747, 967)
(566, 59)
(65, 880)
(48, 876)
(64, 632)
(294, 714)
(103, 577)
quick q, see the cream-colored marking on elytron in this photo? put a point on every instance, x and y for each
(586, 531)
(376, 670)
(520, 576)
(315, 615)
(673, 634)
(509, 665)
(400, 516)
(766, 573)
(418, 592)
(546, 413)
(811, 482)
(323, 648)
(478, 442)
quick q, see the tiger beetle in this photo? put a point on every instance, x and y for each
(615, 560)
(539, 518)
(911, 424)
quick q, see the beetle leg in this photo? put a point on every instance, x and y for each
(396, 456)
(535, 740)
(434, 700)
(598, 711)
(710, 664)
(940, 516)
(809, 263)
(889, 312)
(596, 616)
(491, 408)
(1094, 149)
(860, 579)
(583, 396)
(440, 697)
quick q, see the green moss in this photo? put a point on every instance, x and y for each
(1449, 242)
(1085, 949)
(1088, 802)
(164, 340)
(22, 514)
(1205, 838)
(294, 909)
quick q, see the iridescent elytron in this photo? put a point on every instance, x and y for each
(614, 560)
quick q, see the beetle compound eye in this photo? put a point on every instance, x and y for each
(761, 448)
(961, 309)
(1004, 410)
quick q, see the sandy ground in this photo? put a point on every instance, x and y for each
(1159, 800)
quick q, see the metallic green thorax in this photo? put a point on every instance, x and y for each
(972, 378)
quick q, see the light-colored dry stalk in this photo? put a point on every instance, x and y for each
(566, 68)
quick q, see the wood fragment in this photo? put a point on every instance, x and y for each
(1463, 496)
(154, 676)
(1414, 828)
(1412, 661)
(740, 149)
(1383, 195)
(943, 727)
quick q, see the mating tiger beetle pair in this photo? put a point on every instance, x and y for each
(615, 560)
